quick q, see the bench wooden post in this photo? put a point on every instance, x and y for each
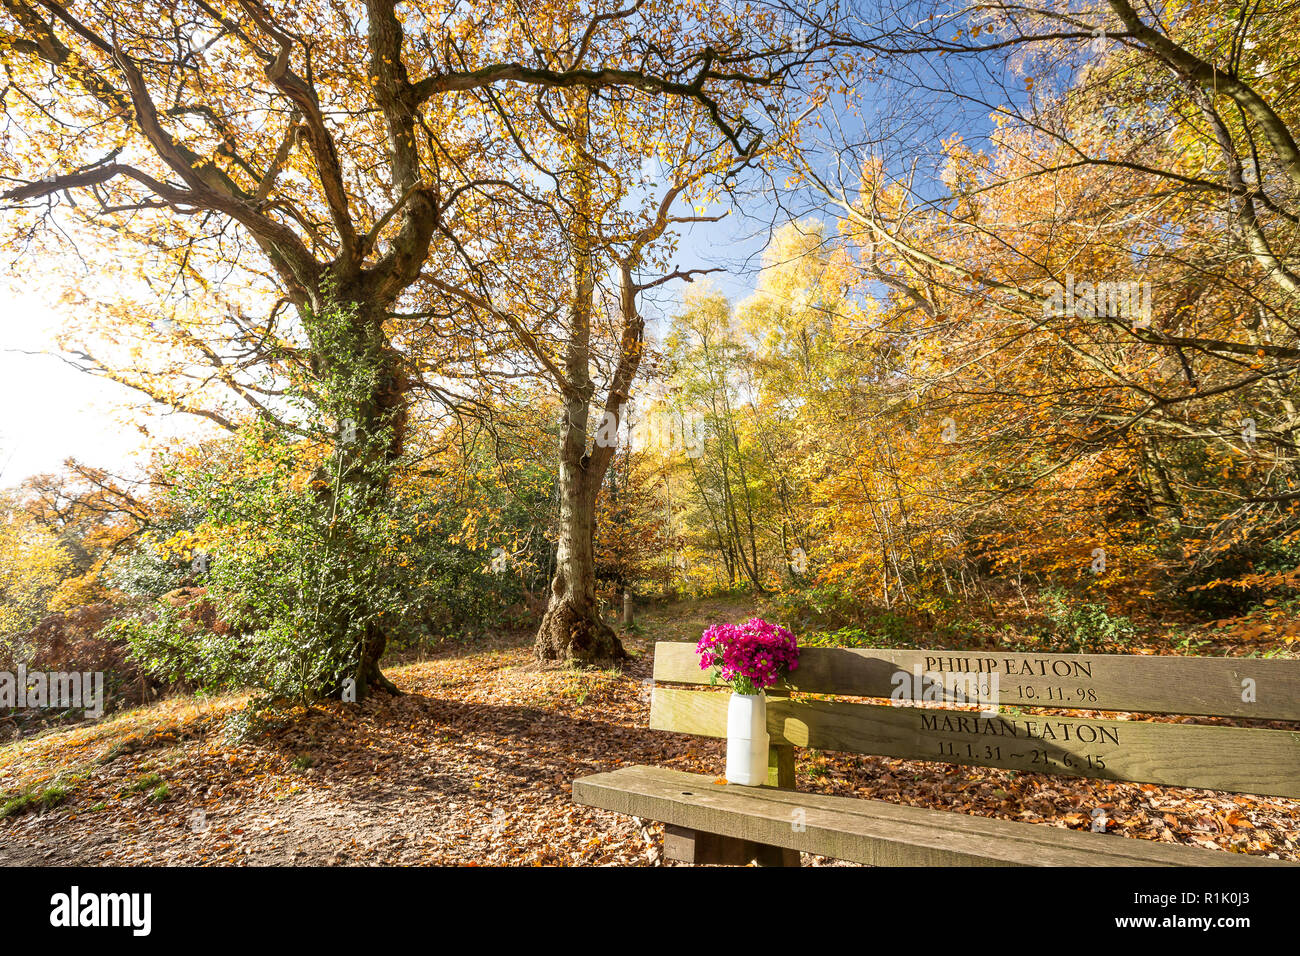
(780, 773)
(780, 757)
(695, 846)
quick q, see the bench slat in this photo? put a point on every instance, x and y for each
(1207, 686)
(872, 831)
(1216, 758)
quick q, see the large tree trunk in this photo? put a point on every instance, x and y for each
(387, 410)
(368, 675)
(379, 419)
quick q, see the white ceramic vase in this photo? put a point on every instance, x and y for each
(747, 739)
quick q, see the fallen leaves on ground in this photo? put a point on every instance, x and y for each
(473, 765)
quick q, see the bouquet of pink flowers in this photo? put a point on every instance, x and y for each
(750, 656)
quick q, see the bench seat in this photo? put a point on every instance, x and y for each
(873, 832)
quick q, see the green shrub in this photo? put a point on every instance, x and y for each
(146, 572)
(883, 629)
(325, 547)
(1074, 628)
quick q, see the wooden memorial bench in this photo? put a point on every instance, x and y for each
(709, 822)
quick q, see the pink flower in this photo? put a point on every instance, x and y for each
(751, 656)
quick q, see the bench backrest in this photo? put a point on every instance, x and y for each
(1237, 759)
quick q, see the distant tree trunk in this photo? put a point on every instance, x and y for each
(572, 628)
